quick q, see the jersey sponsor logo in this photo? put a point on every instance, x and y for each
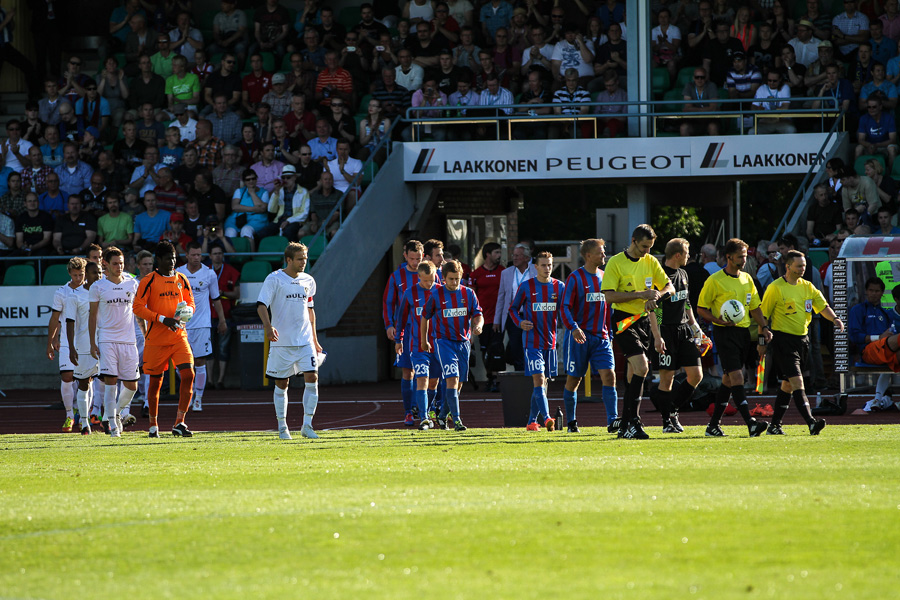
(297, 296)
(119, 301)
(543, 306)
(450, 313)
(169, 294)
(595, 297)
(678, 296)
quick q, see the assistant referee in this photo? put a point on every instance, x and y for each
(789, 303)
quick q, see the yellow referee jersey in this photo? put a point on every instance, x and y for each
(626, 274)
(720, 286)
(790, 307)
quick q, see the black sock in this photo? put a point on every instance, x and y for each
(739, 394)
(782, 403)
(633, 394)
(682, 396)
(722, 395)
(802, 404)
(664, 404)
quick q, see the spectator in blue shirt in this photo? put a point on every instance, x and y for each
(881, 87)
(74, 175)
(324, 147)
(149, 226)
(493, 16)
(883, 48)
(877, 133)
(54, 200)
(838, 88)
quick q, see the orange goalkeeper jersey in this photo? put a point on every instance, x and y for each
(160, 295)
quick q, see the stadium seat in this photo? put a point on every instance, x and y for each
(673, 95)
(860, 163)
(685, 76)
(56, 275)
(364, 105)
(120, 59)
(286, 63)
(273, 244)
(659, 80)
(205, 24)
(255, 271)
(349, 17)
(370, 170)
(20, 275)
(241, 244)
(216, 59)
(315, 250)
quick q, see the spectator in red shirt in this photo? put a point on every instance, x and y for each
(229, 292)
(255, 85)
(300, 123)
(334, 82)
(485, 280)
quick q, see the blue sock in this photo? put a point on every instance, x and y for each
(421, 397)
(570, 398)
(452, 400)
(431, 403)
(535, 405)
(406, 391)
(545, 403)
(610, 400)
(440, 395)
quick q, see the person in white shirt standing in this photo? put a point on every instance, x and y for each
(78, 310)
(293, 345)
(205, 285)
(58, 340)
(111, 328)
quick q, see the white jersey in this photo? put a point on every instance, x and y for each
(60, 296)
(205, 286)
(78, 310)
(288, 300)
(115, 317)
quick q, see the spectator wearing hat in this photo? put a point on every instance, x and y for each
(819, 18)
(815, 73)
(176, 234)
(278, 98)
(289, 205)
(805, 45)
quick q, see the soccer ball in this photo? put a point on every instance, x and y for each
(732, 311)
(183, 312)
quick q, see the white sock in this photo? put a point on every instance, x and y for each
(199, 382)
(281, 403)
(82, 397)
(96, 396)
(125, 397)
(68, 394)
(881, 386)
(109, 405)
(310, 401)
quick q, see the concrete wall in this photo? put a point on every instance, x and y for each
(23, 362)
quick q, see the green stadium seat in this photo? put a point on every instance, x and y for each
(685, 76)
(818, 256)
(120, 58)
(659, 80)
(216, 59)
(364, 105)
(20, 275)
(286, 63)
(56, 275)
(370, 170)
(273, 243)
(205, 25)
(860, 163)
(255, 271)
(241, 244)
(315, 250)
(673, 95)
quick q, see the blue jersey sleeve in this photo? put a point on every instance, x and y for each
(516, 306)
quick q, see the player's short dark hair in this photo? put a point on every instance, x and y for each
(164, 248)
(91, 266)
(413, 246)
(792, 255)
(193, 246)
(643, 232)
(543, 254)
(143, 254)
(677, 246)
(590, 244)
(430, 245)
(875, 281)
(488, 248)
(110, 252)
(290, 252)
(452, 266)
(93, 247)
(427, 267)
(895, 293)
(734, 245)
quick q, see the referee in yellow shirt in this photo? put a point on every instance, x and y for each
(732, 339)
(789, 303)
(633, 282)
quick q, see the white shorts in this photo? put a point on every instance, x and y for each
(64, 363)
(287, 361)
(87, 366)
(119, 360)
(199, 339)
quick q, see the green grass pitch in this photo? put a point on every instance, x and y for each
(482, 514)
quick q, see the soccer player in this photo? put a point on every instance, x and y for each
(675, 331)
(425, 364)
(58, 340)
(788, 304)
(157, 301)
(78, 311)
(588, 342)
(633, 282)
(538, 300)
(732, 339)
(401, 280)
(287, 294)
(111, 330)
(457, 316)
(486, 285)
(205, 286)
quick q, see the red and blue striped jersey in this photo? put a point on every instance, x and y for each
(539, 303)
(411, 306)
(452, 311)
(400, 280)
(585, 305)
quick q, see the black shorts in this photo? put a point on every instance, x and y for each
(681, 351)
(486, 337)
(634, 340)
(790, 354)
(732, 345)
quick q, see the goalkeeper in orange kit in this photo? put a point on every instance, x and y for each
(165, 301)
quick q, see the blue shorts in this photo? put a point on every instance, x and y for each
(595, 351)
(540, 361)
(403, 361)
(425, 364)
(454, 358)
